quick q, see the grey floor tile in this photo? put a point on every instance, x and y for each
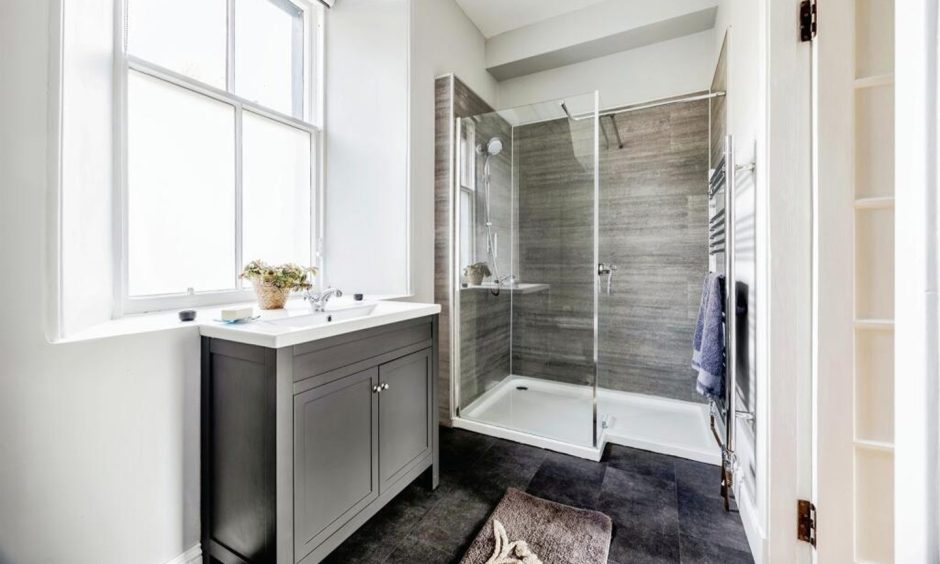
(460, 448)
(641, 462)
(569, 480)
(412, 551)
(698, 478)
(504, 465)
(454, 521)
(698, 551)
(705, 518)
(639, 500)
(375, 540)
(639, 544)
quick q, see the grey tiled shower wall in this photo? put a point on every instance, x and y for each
(485, 319)
(653, 225)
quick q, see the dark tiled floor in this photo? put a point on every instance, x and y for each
(664, 509)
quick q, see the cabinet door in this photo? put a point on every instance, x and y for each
(404, 415)
(335, 457)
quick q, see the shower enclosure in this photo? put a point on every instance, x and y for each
(592, 229)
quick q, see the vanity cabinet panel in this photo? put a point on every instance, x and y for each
(335, 456)
(301, 445)
(405, 434)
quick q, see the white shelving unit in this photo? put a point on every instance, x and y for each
(873, 391)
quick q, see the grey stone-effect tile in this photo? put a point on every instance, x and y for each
(701, 510)
(643, 509)
(569, 480)
(698, 551)
(414, 552)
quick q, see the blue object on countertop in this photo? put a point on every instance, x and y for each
(708, 354)
(237, 321)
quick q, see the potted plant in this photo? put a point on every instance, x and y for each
(475, 273)
(273, 284)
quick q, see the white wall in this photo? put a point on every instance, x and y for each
(656, 71)
(917, 305)
(87, 166)
(444, 41)
(99, 440)
(367, 123)
(743, 21)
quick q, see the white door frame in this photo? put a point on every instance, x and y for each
(788, 274)
(834, 282)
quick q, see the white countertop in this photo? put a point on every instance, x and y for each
(269, 331)
(265, 331)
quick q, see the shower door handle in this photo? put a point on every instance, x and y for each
(608, 269)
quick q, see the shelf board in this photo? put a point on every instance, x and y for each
(874, 81)
(876, 324)
(879, 446)
(881, 202)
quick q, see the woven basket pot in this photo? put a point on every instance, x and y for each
(270, 296)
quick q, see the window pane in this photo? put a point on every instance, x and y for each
(269, 54)
(181, 190)
(466, 229)
(185, 36)
(276, 192)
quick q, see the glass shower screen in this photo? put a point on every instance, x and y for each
(525, 269)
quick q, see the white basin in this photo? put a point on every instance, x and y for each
(323, 317)
(297, 323)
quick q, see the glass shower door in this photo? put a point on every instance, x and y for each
(526, 222)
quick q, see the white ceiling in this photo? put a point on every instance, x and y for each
(493, 17)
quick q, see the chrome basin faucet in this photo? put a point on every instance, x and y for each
(318, 299)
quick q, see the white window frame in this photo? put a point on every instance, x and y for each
(311, 100)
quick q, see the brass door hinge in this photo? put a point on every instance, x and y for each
(807, 20)
(806, 521)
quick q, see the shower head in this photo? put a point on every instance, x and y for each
(494, 146)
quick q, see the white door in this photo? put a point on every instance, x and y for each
(854, 281)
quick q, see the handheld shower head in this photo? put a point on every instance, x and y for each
(494, 146)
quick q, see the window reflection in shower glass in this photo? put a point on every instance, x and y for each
(467, 181)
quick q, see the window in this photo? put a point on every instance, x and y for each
(218, 146)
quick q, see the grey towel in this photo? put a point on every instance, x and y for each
(708, 356)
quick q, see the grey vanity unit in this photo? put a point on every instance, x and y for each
(302, 444)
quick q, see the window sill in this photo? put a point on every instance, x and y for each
(154, 322)
(161, 321)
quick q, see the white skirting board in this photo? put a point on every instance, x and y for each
(191, 556)
(753, 530)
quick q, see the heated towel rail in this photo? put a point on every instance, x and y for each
(723, 410)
